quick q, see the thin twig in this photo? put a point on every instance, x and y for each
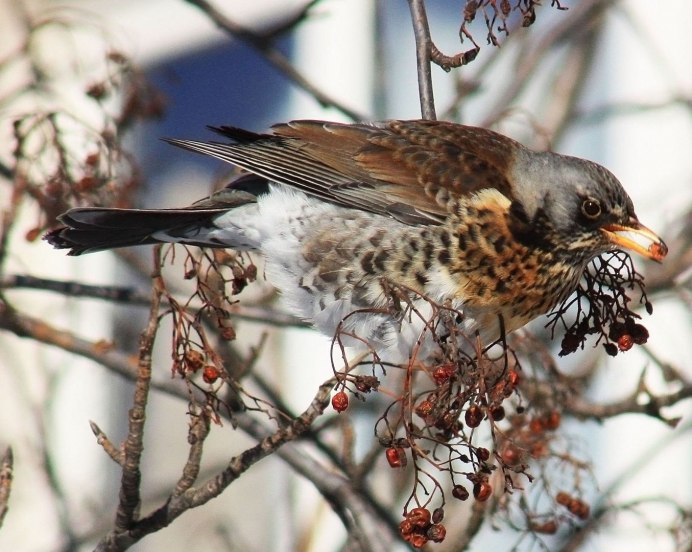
(107, 445)
(421, 31)
(132, 296)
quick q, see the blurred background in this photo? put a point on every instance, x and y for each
(607, 81)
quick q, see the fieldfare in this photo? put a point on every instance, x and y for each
(461, 216)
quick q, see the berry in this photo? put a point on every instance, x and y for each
(340, 401)
(210, 374)
(473, 416)
(459, 492)
(436, 533)
(396, 456)
(482, 491)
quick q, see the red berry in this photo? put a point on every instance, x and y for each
(210, 373)
(442, 373)
(424, 408)
(483, 454)
(417, 540)
(625, 342)
(563, 498)
(473, 416)
(511, 455)
(547, 528)
(420, 517)
(406, 528)
(482, 491)
(536, 425)
(340, 401)
(552, 420)
(579, 508)
(396, 456)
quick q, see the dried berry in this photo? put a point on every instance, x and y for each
(420, 517)
(396, 456)
(483, 454)
(210, 374)
(438, 515)
(640, 334)
(406, 528)
(443, 373)
(625, 342)
(482, 491)
(424, 408)
(579, 508)
(611, 349)
(547, 528)
(459, 492)
(194, 360)
(536, 425)
(497, 413)
(340, 401)
(552, 420)
(473, 416)
(417, 540)
(563, 498)
(436, 533)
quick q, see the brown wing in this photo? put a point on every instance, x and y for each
(412, 170)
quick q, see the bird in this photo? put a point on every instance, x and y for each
(455, 215)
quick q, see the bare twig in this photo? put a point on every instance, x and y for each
(421, 31)
(197, 434)
(131, 296)
(111, 450)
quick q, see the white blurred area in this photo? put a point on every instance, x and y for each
(650, 151)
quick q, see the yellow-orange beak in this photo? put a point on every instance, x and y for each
(656, 249)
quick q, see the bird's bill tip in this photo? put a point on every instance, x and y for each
(654, 248)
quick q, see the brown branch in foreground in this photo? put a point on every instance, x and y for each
(131, 475)
(6, 468)
(274, 57)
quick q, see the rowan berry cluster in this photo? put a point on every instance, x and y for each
(604, 307)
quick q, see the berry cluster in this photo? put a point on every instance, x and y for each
(603, 307)
(420, 526)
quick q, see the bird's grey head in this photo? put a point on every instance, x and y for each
(581, 204)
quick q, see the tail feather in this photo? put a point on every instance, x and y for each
(88, 230)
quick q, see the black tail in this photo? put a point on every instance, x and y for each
(94, 229)
(89, 229)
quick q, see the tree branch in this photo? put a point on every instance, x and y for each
(421, 31)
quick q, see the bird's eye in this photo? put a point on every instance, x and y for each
(591, 209)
